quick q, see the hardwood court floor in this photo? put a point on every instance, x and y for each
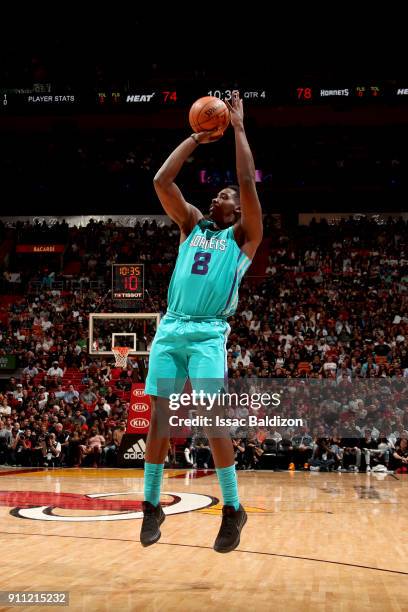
(312, 542)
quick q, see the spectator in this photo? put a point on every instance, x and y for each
(5, 443)
(71, 394)
(88, 398)
(51, 450)
(239, 450)
(110, 452)
(93, 447)
(55, 371)
(30, 371)
(201, 451)
(323, 458)
(400, 456)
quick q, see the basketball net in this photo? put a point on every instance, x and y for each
(121, 354)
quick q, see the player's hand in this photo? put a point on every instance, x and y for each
(206, 137)
(236, 109)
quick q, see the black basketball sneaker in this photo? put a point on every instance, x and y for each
(230, 531)
(153, 517)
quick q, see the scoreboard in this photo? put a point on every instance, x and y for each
(127, 282)
(44, 98)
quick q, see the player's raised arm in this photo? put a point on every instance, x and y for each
(251, 212)
(181, 212)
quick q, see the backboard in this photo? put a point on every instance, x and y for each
(135, 330)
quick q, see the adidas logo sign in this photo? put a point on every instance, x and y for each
(137, 451)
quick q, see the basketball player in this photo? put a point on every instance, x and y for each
(191, 339)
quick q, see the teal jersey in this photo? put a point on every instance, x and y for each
(208, 272)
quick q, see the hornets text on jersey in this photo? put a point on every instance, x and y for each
(208, 272)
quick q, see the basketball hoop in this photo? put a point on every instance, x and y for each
(121, 354)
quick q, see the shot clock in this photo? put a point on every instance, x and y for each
(127, 281)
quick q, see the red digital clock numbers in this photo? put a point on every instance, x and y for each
(127, 281)
(131, 283)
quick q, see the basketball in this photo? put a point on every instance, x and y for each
(209, 113)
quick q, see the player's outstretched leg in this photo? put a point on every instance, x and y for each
(156, 450)
(234, 516)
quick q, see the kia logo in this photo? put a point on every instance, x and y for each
(139, 423)
(138, 392)
(140, 407)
